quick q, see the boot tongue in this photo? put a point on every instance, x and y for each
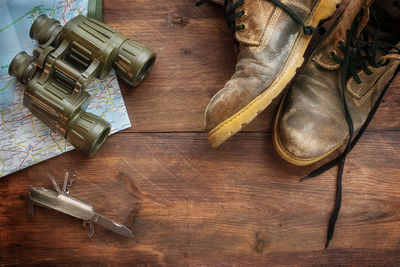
(388, 15)
(256, 16)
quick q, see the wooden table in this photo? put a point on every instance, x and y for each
(188, 204)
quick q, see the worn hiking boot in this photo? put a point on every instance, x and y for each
(273, 36)
(339, 90)
(312, 120)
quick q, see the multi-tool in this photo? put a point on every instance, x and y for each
(61, 201)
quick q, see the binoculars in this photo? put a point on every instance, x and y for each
(63, 65)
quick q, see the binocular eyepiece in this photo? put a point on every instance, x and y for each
(66, 61)
(21, 66)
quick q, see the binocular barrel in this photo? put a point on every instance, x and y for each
(54, 104)
(89, 39)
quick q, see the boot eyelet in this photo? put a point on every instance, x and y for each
(239, 27)
(341, 43)
(332, 53)
(383, 62)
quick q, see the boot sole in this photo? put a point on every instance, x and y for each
(285, 154)
(323, 10)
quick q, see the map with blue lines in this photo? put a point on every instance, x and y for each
(24, 140)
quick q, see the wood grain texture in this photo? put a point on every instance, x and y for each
(190, 205)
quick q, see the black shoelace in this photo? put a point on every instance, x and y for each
(359, 53)
(231, 15)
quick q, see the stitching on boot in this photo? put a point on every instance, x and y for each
(297, 4)
(274, 19)
(268, 31)
(326, 66)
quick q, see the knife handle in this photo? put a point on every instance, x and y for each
(60, 202)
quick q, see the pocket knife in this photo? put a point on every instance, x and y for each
(62, 202)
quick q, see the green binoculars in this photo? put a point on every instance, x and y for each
(65, 62)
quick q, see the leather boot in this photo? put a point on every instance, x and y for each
(273, 36)
(339, 90)
(312, 122)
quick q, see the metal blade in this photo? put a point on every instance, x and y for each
(111, 225)
(64, 190)
(53, 181)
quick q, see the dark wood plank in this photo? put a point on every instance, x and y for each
(195, 58)
(191, 205)
(188, 204)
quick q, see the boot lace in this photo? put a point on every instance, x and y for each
(231, 15)
(359, 54)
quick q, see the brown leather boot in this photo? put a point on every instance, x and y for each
(311, 121)
(273, 36)
(339, 90)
